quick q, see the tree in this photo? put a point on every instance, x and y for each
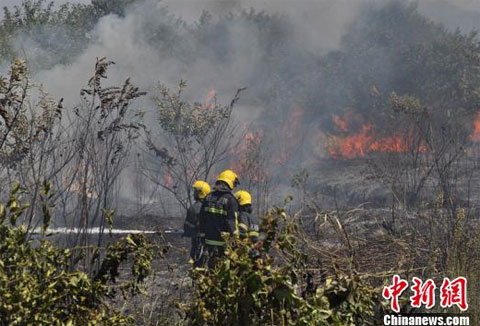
(18, 132)
(250, 160)
(106, 128)
(59, 33)
(28, 129)
(194, 138)
(106, 7)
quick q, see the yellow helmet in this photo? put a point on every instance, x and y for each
(243, 197)
(202, 187)
(229, 177)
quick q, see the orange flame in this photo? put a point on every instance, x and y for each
(364, 142)
(210, 103)
(167, 178)
(244, 163)
(210, 100)
(340, 123)
(475, 136)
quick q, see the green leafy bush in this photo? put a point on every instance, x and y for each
(39, 286)
(263, 286)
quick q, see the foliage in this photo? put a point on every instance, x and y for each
(58, 32)
(30, 131)
(86, 154)
(38, 285)
(408, 54)
(106, 7)
(40, 22)
(252, 285)
(136, 247)
(182, 119)
(19, 127)
(411, 78)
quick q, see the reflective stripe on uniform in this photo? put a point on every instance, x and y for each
(214, 242)
(254, 234)
(216, 210)
(236, 231)
(243, 226)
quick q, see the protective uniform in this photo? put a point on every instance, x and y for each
(191, 224)
(219, 214)
(247, 224)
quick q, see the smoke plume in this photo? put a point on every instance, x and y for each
(295, 57)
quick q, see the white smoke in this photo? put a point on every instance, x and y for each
(318, 27)
(237, 59)
(319, 24)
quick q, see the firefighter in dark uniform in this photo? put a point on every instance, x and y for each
(191, 226)
(247, 225)
(219, 214)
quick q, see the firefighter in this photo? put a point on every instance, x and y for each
(191, 226)
(247, 225)
(219, 214)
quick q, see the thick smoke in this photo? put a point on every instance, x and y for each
(231, 61)
(238, 57)
(227, 55)
(160, 42)
(318, 25)
(278, 58)
(313, 27)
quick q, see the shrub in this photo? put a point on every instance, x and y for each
(263, 286)
(38, 285)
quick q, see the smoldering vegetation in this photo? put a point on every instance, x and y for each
(366, 112)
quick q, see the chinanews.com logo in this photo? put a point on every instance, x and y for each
(452, 293)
